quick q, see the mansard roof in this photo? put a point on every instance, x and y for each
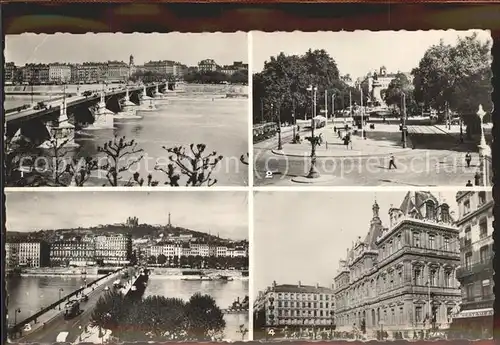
(414, 200)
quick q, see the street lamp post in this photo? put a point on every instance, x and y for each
(294, 123)
(404, 119)
(313, 172)
(333, 108)
(60, 290)
(484, 149)
(280, 146)
(80, 331)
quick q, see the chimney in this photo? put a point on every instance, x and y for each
(274, 283)
(300, 284)
(317, 285)
(333, 286)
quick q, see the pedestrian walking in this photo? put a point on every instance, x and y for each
(468, 159)
(350, 142)
(469, 184)
(392, 162)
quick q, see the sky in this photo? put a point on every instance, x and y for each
(302, 236)
(359, 52)
(186, 48)
(225, 213)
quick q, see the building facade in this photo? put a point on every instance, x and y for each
(117, 71)
(475, 273)
(75, 252)
(10, 72)
(113, 249)
(59, 73)
(207, 65)
(36, 74)
(32, 254)
(401, 278)
(295, 307)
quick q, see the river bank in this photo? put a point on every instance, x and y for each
(179, 273)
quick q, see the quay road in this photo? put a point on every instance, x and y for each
(48, 333)
(70, 101)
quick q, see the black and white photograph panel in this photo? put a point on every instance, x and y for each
(408, 108)
(161, 267)
(112, 109)
(413, 265)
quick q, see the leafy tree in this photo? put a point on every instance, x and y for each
(162, 259)
(152, 260)
(456, 75)
(108, 310)
(203, 317)
(176, 261)
(195, 165)
(239, 77)
(281, 87)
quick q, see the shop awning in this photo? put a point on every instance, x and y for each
(474, 313)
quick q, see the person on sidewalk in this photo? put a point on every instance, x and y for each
(469, 184)
(350, 142)
(392, 162)
(468, 159)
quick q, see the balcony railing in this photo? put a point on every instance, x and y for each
(464, 271)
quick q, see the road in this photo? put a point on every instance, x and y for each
(48, 334)
(427, 165)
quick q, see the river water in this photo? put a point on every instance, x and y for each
(223, 292)
(193, 118)
(32, 293)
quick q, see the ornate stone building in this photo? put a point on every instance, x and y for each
(475, 273)
(401, 278)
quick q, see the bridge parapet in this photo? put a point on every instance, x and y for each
(18, 327)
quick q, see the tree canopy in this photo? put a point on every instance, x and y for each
(455, 75)
(159, 318)
(282, 86)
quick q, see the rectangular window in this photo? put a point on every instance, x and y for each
(416, 276)
(483, 228)
(470, 292)
(468, 237)
(431, 242)
(418, 314)
(481, 198)
(486, 289)
(466, 207)
(484, 254)
(468, 260)
(446, 244)
(447, 279)
(416, 239)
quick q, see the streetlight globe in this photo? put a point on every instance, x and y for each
(480, 111)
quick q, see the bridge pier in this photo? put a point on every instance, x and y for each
(128, 109)
(103, 118)
(146, 102)
(62, 135)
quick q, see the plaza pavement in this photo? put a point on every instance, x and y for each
(432, 158)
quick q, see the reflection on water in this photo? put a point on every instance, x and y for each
(220, 124)
(224, 293)
(31, 294)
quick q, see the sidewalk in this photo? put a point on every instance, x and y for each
(91, 335)
(51, 314)
(333, 146)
